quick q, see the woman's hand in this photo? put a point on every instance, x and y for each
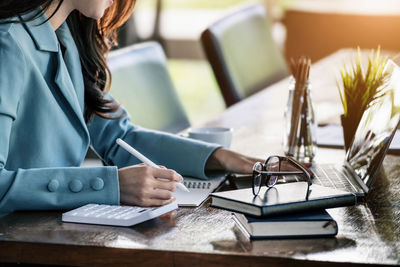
(226, 160)
(139, 185)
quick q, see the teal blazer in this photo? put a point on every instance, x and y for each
(43, 134)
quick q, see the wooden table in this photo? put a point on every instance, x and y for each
(368, 233)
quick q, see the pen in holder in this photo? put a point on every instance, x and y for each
(300, 127)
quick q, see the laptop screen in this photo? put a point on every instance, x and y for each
(376, 128)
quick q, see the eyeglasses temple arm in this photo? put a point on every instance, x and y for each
(279, 173)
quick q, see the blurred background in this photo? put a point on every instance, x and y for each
(315, 28)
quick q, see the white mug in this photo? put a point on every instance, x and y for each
(218, 135)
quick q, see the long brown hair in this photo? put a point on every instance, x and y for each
(93, 38)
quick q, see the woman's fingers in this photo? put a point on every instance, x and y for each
(228, 160)
(287, 166)
(154, 197)
(167, 174)
(160, 202)
(141, 185)
(165, 185)
(160, 194)
(153, 202)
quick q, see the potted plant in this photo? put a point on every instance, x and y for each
(358, 87)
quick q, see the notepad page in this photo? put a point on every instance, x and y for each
(199, 191)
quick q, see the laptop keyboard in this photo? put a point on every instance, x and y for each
(329, 176)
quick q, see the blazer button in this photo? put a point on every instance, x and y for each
(53, 185)
(97, 184)
(75, 186)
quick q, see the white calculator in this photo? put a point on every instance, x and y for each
(115, 215)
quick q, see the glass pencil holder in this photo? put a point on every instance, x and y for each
(304, 146)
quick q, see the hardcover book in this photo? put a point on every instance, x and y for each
(299, 225)
(282, 199)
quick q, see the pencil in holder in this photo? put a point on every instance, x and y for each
(300, 125)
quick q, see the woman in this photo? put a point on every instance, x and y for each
(54, 104)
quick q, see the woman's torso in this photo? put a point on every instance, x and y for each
(49, 128)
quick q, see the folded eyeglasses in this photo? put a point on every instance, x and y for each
(270, 170)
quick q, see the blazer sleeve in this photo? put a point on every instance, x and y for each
(41, 188)
(186, 156)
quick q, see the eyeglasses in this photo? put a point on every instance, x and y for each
(271, 170)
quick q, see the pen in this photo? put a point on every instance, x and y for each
(145, 160)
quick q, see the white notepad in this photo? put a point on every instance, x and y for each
(199, 191)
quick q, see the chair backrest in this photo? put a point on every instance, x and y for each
(243, 54)
(142, 84)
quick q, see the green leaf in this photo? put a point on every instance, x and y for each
(358, 87)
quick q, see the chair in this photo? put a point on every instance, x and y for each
(243, 54)
(141, 83)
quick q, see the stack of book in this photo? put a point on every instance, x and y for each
(282, 211)
(298, 225)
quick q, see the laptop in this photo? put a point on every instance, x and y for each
(371, 141)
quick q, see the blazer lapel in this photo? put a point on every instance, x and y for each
(69, 79)
(66, 86)
(64, 83)
(41, 32)
(72, 62)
